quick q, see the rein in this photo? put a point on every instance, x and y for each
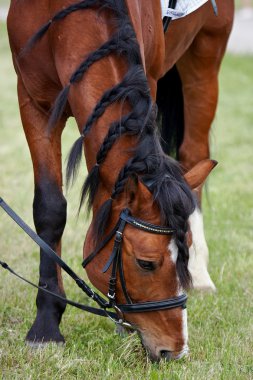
(115, 260)
(53, 255)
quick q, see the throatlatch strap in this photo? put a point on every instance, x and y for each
(122, 279)
(116, 253)
(100, 246)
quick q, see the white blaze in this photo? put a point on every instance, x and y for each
(185, 327)
(173, 250)
(173, 254)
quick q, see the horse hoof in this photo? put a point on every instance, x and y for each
(41, 345)
(42, 333)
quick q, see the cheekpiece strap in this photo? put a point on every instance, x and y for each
(114, 260)
(100, 246)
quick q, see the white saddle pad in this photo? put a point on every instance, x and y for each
(183, 8)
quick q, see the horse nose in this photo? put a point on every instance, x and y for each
(166, 355)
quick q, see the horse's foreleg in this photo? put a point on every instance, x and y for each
(198, 69)
(49, 211)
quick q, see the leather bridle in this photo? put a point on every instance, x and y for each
(115, 260)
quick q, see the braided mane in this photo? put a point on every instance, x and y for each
(168, 187)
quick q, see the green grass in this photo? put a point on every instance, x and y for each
(241, 3)
(220, 325)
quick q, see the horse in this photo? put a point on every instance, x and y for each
(106, 63)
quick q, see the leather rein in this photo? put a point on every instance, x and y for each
(115, 260)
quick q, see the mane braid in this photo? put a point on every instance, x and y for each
(131, 124)
(125, 36)
(148, 161)
(132, 82)
(80, 5)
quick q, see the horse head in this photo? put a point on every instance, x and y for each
(154, 265)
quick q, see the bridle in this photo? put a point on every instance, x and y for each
(115, 260)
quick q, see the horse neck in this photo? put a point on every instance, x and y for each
(104, 74)
(146, 18)
(111, 87)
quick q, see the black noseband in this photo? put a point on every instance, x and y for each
(170, 303)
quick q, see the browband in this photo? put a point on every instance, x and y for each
(145, 226)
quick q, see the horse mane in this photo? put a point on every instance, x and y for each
(168, 187)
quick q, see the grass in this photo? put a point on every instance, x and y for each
(220, 325)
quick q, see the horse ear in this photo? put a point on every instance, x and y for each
(137, 195)
(198, 174)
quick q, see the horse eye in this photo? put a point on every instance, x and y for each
(147, 265)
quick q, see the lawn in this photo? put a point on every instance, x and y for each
(220, 325)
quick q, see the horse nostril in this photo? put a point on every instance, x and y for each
(167, 355)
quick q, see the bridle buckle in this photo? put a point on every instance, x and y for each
(121, 320)
(111, 296)
(118, 236)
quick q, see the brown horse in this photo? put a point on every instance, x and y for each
(105, 58)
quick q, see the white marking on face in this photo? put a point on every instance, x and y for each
(174, 254)
(185, 327)
(173, 250)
